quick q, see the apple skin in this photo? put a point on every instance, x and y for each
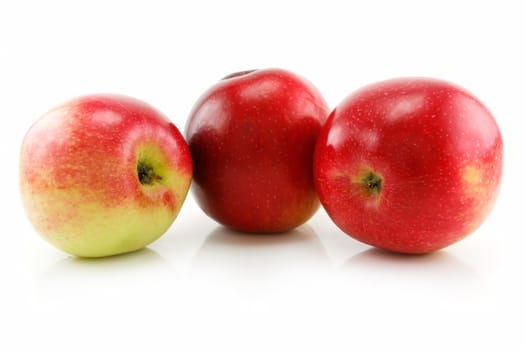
(410, 165)
(103, 174)
(252, 137)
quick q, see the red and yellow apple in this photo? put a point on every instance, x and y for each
(252, 137)
(103, 174)
(410, 165)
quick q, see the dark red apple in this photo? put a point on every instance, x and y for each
(410, 165)
(252, 137)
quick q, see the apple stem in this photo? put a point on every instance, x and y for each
(238, 74)
(373, 183)
(146, 174)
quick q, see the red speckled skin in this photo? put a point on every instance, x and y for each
(86, 151)
(252, 137)
(101, 132)
(437, 149)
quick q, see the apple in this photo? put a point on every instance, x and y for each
(252, 137)
(410, 165)
(103, 174)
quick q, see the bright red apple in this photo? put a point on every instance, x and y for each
(252, 137)
(103, 174)
(409, 165)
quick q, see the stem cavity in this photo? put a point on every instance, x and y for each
(146, 174)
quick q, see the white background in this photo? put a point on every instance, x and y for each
(200, 286)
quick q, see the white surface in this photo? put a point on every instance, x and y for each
(200, 286)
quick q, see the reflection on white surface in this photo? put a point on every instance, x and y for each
(142, 259)
(257, 263)
(79, 282)
(431, 280)
(440, 264)
(266, 251)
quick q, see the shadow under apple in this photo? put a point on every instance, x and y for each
(438, 280)
(102, 277)
(255, 263)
